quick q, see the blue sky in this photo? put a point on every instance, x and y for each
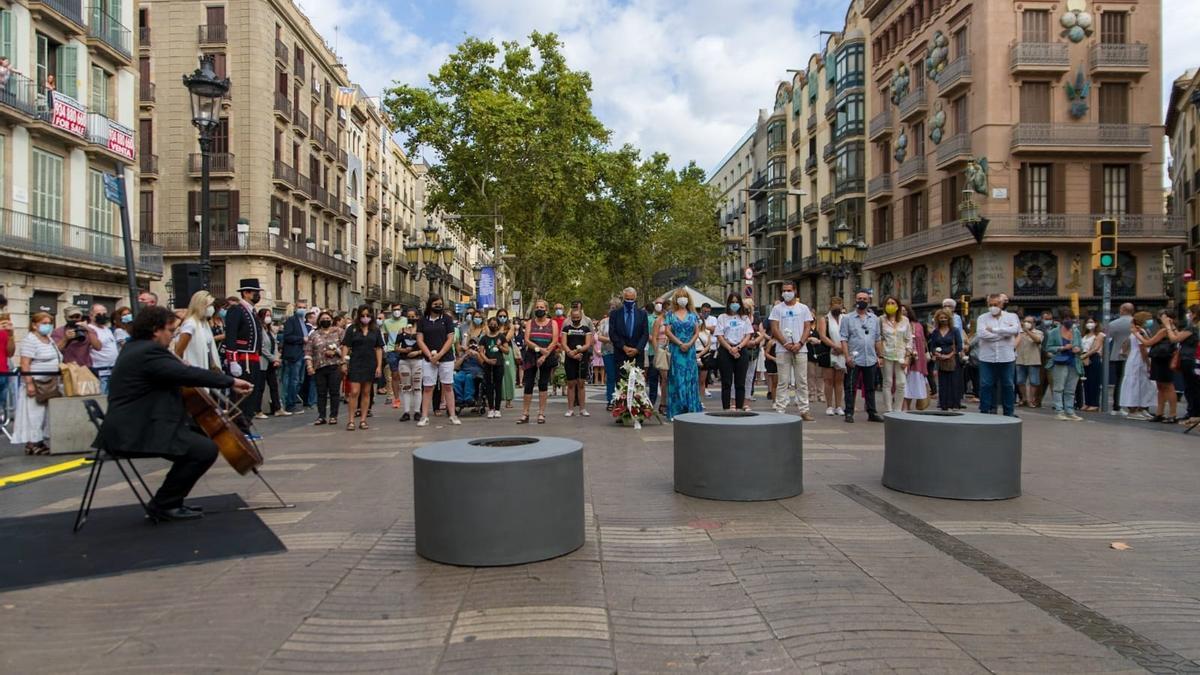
(686, 78)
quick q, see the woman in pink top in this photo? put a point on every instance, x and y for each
(916, 385)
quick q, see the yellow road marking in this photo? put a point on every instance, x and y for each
(42, 472)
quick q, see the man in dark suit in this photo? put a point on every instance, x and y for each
(629, 330)
(243, 340)
(146, 416)
(295, 330)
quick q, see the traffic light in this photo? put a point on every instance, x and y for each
(1104, 245)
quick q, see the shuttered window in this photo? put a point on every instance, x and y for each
(1113, 27)
(1116, 189)
(99, 216)
(1037, 189)
(1114, 103)
(47, 197)
(68, 71)
(1035, 25)
(1035, 102)
(8, 44)
(146, 216)
(98, 101)
(959, 108)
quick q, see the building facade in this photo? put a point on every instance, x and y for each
(279, 161)
(1182, 125)
(68, 109)
(1045, 115)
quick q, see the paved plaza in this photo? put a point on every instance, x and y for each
(849, 577)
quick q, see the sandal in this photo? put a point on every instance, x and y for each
(524, 419)
(541, 418)
(40, 448)
(333, 420)
(363, 425)
(350, 426)
(319, 422)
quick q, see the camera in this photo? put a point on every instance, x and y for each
(73, 325)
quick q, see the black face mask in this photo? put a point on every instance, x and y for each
(539, 313)
(436, 309)
(861, 304)
(255, 297)
(101, 319)
(325, 323)
(836, 311)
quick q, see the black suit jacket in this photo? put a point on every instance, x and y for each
(145, 407)
(243, 333)
(617, 330)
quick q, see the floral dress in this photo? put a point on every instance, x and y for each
(684, 390)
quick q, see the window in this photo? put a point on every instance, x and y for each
(220, 211)
(850, 117)
(279, 211)
(960, 43)
(145, 136)
(47, 197)
(959, 110)
(883, 224)
(1035, 25)
(8, 40)
(99, 99)
(914, 213)
(220, 137)
(1114, 103)
(146, 216)
(918, 75)
(220, 65)
(99, 216)
(1037, 189)
(850, 168)
(849, 66)
(1035, 102)
(918, 140)
(1116, 190)
(950, 196)
(1113, 27)
(215, 15)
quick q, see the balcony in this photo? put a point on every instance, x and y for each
(297, 69)
(795, 176)
(827, 204)
(954, 150)
(812, 121)
(912, 171)
(319, 196)
(284, 176)
(1080, 138)
(219, 163)
(914, 105)
(879, 188)
(281, 52)
(830, 107)
(107, 34)
(212, 34)
(318, 136)
(31, 243)
(1119, 59)
(386, 216)
(109, 139)
(848, 187)
(881, 125)
(810, 213)
(306, 187)
(385, 256)
(1039, 57)
(827, 152)
(300, 119)
(66, 14)
(793, 220)
(143, 36)
(283, 107)
(810, 165)
(343, 159)
(18, 99)
(372, 248)
(148, 165)
(795, 137)
(372, 168)
(955, 78)
(1151, 229)
(146, 92)
(225, 243)
(758, 226)
(372, 205)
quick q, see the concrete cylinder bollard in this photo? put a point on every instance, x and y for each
(739, 456)
(952, 455)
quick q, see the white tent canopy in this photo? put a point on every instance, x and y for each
(697, 297)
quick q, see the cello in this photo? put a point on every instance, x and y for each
(241, 453)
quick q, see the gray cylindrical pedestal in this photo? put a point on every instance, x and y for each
(498, 501)
(739, 456)
(952, 455)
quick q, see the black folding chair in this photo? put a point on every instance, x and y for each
(96, 415)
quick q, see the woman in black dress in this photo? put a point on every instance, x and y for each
(362, 362)
(944, 346)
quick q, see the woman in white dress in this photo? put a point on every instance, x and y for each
(195, 343)
(38, 354)
(829, 330)
(1138, 391)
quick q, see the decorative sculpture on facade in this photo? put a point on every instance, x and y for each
(1077, 94)
(901, 147)
(937, 125)
(900, 82)
(937, 54)
(1077, 23)
(977, 175)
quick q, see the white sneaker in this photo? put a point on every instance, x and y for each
(830, 411)
(839, 411)
(496, 414)
(454, 420)
(1062, 417)
(570, 413)
(584, 413)
(424, 422)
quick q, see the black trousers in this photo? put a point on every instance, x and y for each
(539, 375)
(733, 377)
(329, 390)
(1118, 372)
(198, 457)
(948, 398)
(870, 377)
(493, 381)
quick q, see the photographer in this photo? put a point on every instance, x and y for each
(76, 339)
(104, 357)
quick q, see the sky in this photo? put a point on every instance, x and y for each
(685, 78)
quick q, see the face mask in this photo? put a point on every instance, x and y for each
(558, 312)
(221, 313)
(861, 304)
(267, 320)
(1067, 323)
(539, 313)
(890, 309)
(255, 297)
(325, 323)
(994, 310)
(128, 318)
(209, 311)
(1028, 326)
(436, 309)
(789, 296)
(397, 314)
(45, 328)
(943, 322)
(629, 304)
(734, 307)
(1149, 324)
(493, 327)
(504, 319)
(101, 319)
(1091, 325)
(478, 321)
(682, 302)
(658, 306)
(300, 312)
(365, 320)
(836, 311)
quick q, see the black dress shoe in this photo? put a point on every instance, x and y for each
(874, 417)
(405, 417)
(849, 419)
(178, 513)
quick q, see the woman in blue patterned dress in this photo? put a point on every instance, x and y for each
(683, 394)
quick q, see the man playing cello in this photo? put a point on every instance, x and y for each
(146, 416)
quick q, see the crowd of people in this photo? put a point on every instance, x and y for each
(428, 361)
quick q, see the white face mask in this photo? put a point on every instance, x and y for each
(398, 313)
(209, 311)
(658, 306)
(267, 320)
(994, 310)
(1091, 325)
(682, 302)
(788, 296)
(1028, 326)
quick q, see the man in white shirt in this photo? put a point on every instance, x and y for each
(791, 322)
(105, 357)
(997, 331)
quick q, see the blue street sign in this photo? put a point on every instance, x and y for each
(112, 189)
(486, 296)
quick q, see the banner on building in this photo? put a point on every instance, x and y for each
(120, 140)
(67, 114)
(487, 287)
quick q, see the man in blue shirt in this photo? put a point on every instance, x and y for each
(862, 344)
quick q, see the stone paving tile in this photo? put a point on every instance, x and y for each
(563, 581)
(539, 621)
(533, 655)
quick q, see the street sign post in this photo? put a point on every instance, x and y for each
(1106, 276)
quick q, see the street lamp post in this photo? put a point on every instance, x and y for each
(844, 255)
(426, 259)
(206, 91)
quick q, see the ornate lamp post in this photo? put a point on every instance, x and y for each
(428, 259)
(968, 213)
(844, 256)
(206, 91)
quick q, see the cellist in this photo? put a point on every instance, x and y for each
(146, 416)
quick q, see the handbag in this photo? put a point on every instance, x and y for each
(1175, 359)
(45, 390)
